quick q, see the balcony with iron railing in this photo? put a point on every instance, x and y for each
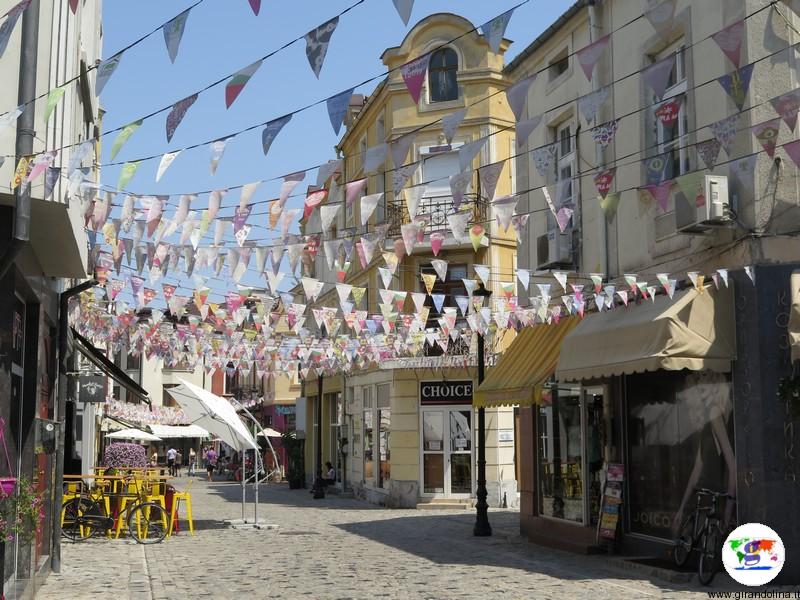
(436, 209)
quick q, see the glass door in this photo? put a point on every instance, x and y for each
(447, 460)
(433, 459)
(460, 452)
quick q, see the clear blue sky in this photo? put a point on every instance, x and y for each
(222, 36)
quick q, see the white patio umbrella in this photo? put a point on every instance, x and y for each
(218, 416)
(269, 432)
(214, 414)
(133, 434)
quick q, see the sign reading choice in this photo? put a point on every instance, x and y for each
(445, 392)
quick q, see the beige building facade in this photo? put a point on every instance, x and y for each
(629, 405)
(391, 441)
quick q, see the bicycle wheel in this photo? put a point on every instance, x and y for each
(711, 554)
(148, 523)
(73, 511)
(683, 543)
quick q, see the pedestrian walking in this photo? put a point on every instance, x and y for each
(171, 454)
(211, 463)
(178, 463)
(154, 458)
(192, 461)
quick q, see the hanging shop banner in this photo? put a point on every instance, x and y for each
(92, 388)
(445, 392)
(612, 501)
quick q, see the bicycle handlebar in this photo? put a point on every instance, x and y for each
(707, 492)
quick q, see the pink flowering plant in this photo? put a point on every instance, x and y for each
(121, 455)
(21, 513)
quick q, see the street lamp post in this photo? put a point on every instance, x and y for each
(482, 526)
(319, 486)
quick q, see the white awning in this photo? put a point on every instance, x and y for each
(178, 431)
(133, 434)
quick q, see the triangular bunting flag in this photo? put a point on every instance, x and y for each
(317, 41)
(413, 73)
(589, 55)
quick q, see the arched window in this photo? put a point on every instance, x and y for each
(442, 70)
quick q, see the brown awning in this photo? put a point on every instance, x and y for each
(692, 331)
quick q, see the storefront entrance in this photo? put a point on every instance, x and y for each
(447, 443)
(574, 427)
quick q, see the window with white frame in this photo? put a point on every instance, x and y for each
(671, 130)
(565, 163)
(437, 202)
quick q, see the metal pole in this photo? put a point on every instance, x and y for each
(482, 527)
(319, 487)
(29, 45)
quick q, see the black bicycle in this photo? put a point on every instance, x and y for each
(85, 516)
(703, 531)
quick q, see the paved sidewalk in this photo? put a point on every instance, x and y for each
(340, 548)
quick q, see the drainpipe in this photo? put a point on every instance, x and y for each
(29, 46)
(598, 150)
(61, 386)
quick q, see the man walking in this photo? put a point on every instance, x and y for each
(171, 454)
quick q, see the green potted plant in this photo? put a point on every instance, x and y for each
(295, 471)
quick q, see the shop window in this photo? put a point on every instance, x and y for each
(334, 403)
(443, 75)
(679, 434)
(368, 434)
(561, 455)
(384, 424)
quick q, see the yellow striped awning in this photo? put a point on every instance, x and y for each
(528, 362)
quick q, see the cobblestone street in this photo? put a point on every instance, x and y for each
(341, 548)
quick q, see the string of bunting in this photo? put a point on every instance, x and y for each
(247, 332)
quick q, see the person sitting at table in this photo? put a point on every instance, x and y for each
(330, 474)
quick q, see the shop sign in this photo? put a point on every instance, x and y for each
(445, 392)
(284, 409)
(92, 388)
(505, 435)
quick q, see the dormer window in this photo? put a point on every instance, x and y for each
(442, 75)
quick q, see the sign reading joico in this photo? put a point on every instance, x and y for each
(445, 392)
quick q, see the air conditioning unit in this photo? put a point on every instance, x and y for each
(554, 248)
(708, 208)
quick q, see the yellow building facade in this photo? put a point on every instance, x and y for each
(402, 434)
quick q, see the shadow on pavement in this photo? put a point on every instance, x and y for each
(447, 539)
